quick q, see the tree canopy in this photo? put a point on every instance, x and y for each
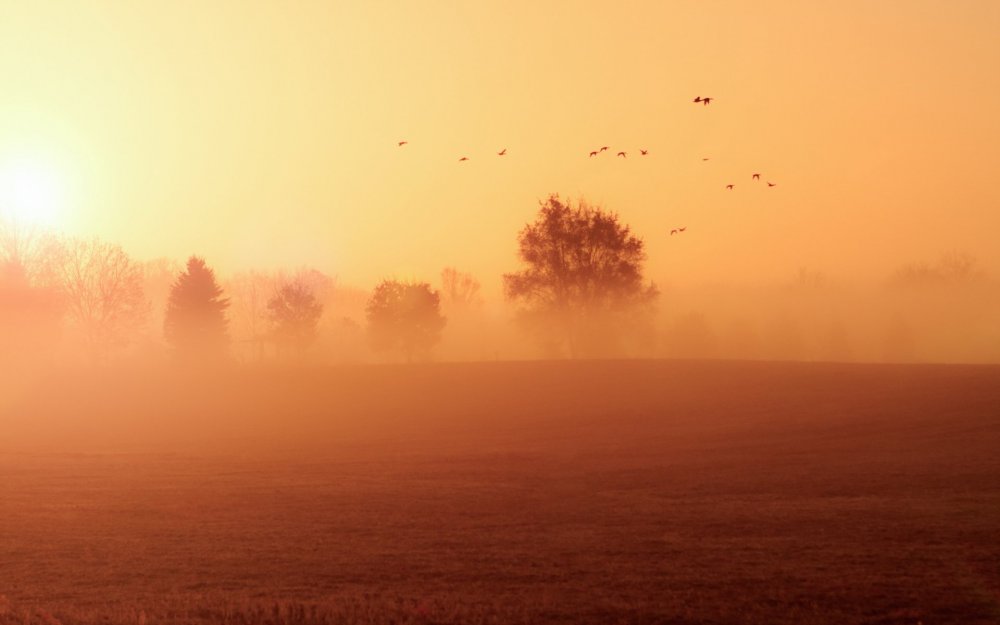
(582, 275)
(404, 317)
(294, 313)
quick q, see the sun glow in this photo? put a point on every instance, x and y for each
(31, 192)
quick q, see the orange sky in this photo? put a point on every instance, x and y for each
(264, 133)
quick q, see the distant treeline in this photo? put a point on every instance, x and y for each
(580, 291)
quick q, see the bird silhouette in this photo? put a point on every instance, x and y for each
(502, 152)
(673, 232)
(593, 153)
(682, 229)
(464, 158)
(756, 176)
(705, 101)
(771, 184)
(622, 154)
(604, 149)
(402, 143)
(705, 158)
(730, 187)
(697, 100)
(643, 152)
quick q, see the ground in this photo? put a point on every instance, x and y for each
(559, 492)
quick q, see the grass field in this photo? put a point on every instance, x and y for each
(591, 492)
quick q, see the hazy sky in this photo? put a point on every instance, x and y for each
(264, 133)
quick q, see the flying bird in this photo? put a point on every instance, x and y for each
(622, 154)
(705, 158)
(682, 229)
(604, 149)
(464, 158)
(677, 230)
(705, 101)
(771, 184)
(502, 152)
(730, 187)
(756, 176)
(673, 232)
(593, 153)
(643, 152)
(697, 100)
(402, 143)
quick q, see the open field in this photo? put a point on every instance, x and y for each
(592, 492)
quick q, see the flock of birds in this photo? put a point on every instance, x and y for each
(704, 101)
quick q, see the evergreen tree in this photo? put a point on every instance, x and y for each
(195, 322)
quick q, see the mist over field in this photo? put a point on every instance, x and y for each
(499, 312)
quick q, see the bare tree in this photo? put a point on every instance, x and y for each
(459, 291)
(249, 293)
(102, 289)
(582, 285)
(34, 250)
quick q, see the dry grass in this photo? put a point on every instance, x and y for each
(618, 492)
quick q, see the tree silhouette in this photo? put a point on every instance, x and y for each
(294, 313)
(459, 290)
(404, 317)
(582, 288)
(195, 321)
(102, 288)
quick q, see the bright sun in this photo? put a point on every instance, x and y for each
(31, 192)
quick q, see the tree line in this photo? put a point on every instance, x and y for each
(579, 290)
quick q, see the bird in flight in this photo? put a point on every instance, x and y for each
(771, 184)
(593, 153)
(704, 101)
(682, 229)
(502, 152)
(673, 232)
(643, 152)
(402, 143)
(464, 158)
(622, 154)
(756, 176)
(604, 149)
(705, 158)
(730, 187)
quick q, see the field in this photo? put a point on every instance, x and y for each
(590, 492)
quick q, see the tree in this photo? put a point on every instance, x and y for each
(460, 291)
(294, 313)
(29, 318)
(102, 288)
(404, 317)
(582, 288)
(250, 292)
(35, 251)
(195, 321)
(952, 268)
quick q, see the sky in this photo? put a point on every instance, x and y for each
(264, 134)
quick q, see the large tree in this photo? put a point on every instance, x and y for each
(404, 317)
(195, 321)
(581, 289)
